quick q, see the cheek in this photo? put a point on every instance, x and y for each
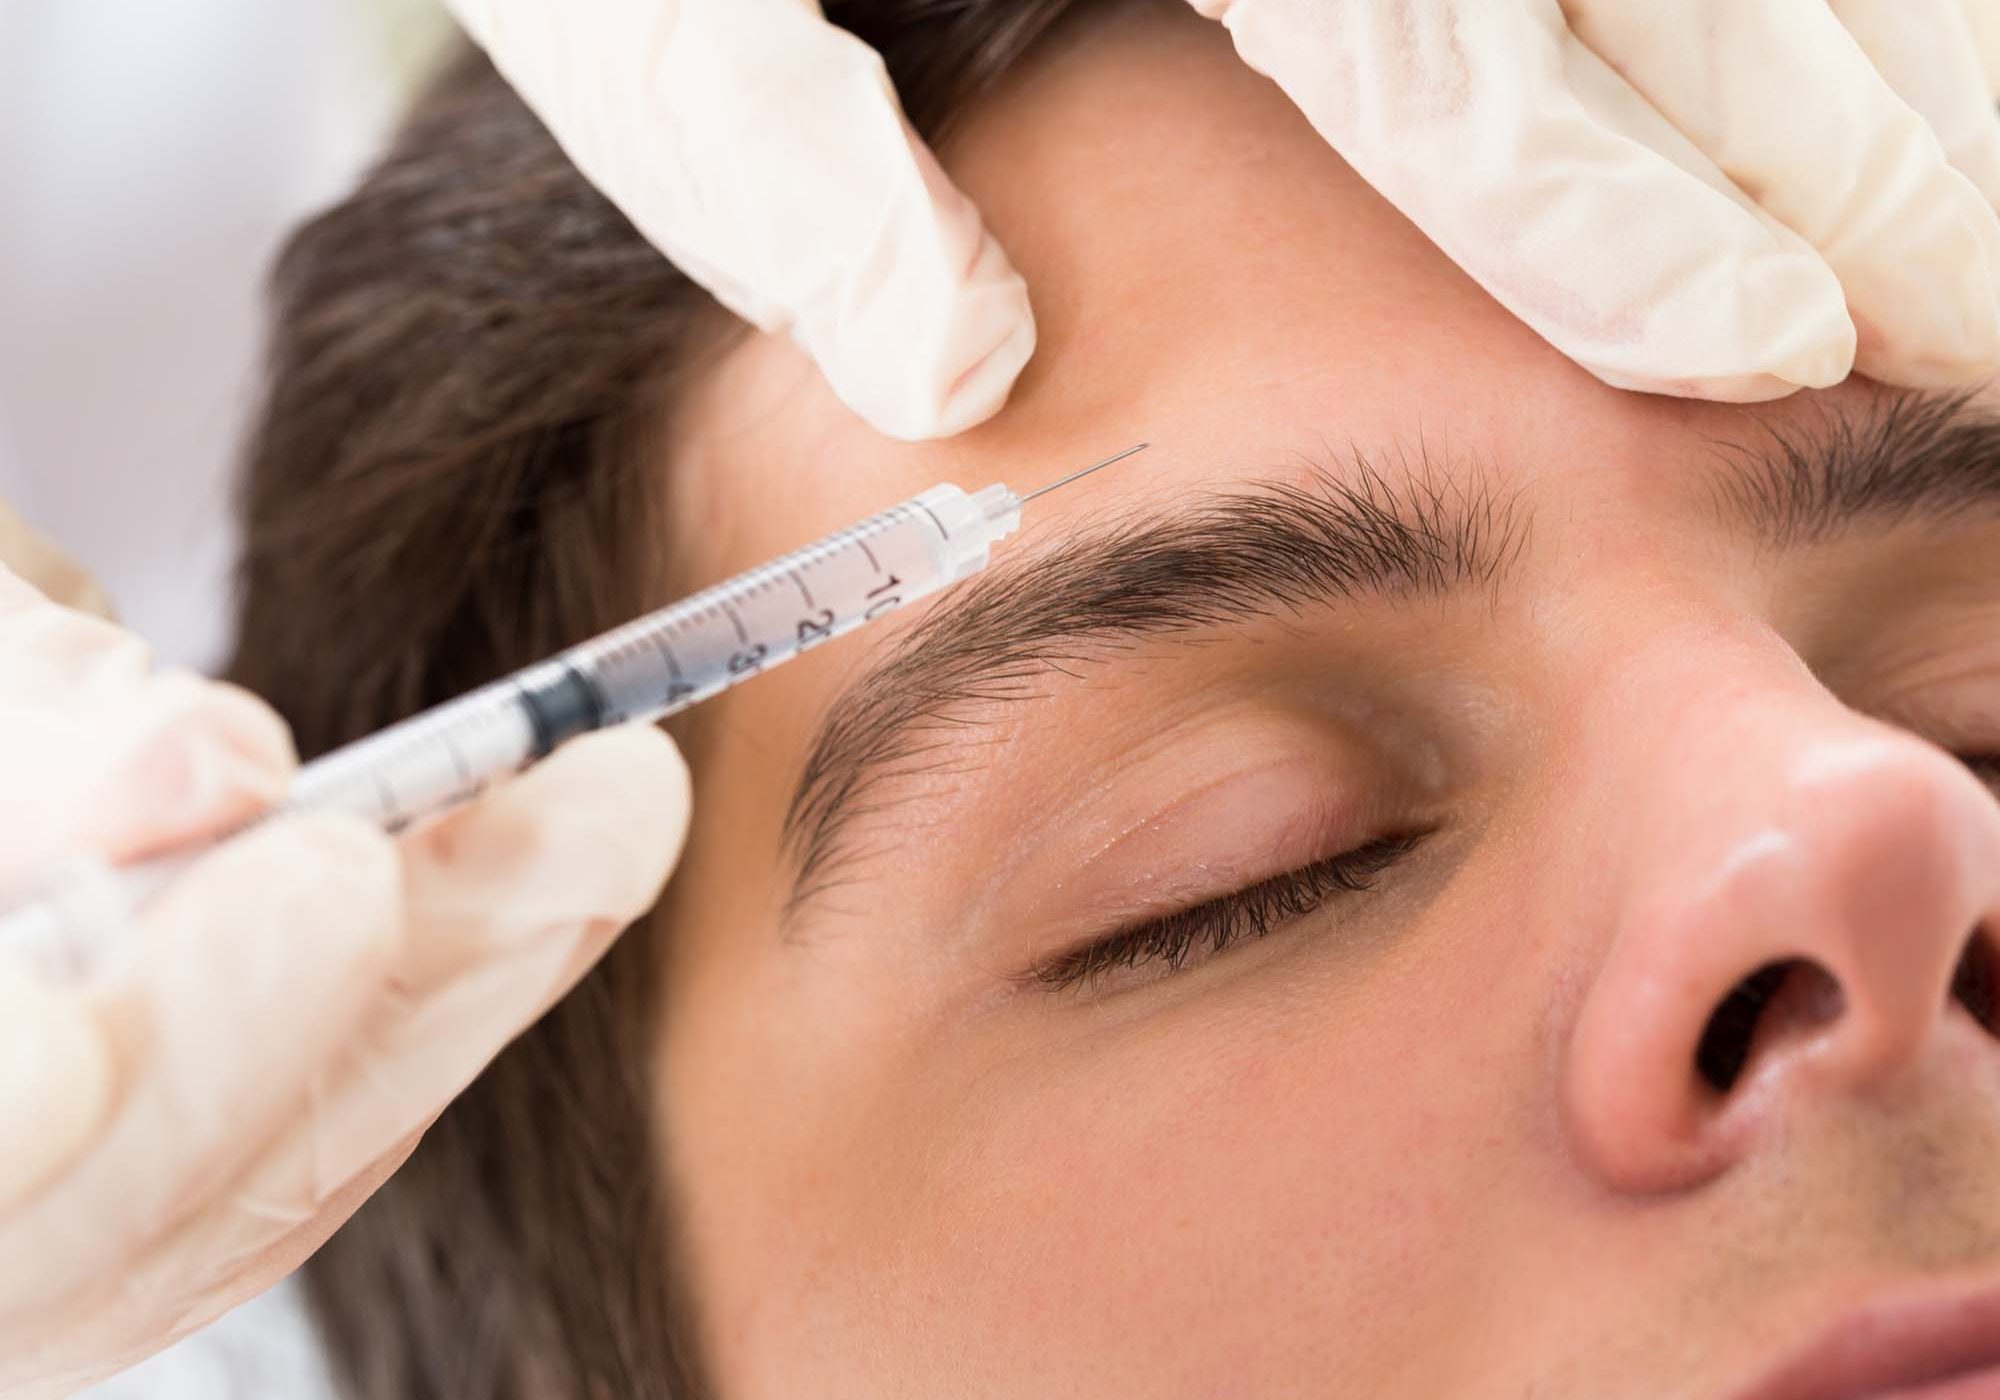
(1302, 1167)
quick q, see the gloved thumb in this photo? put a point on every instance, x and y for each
(925, 332)
(813, 207)
(764, 151)
(515, 895)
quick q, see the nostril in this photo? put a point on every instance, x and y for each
(1975, 984)
(1725, 1042)
(1798, 994)
(1776, 997)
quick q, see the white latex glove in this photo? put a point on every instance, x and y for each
(283, 1020)
(763, 151)
(1698, 197)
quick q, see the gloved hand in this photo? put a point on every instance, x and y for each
(276, 1028)
(1704, 197)
(1708, 197)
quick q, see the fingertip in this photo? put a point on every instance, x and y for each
(926, 335)
(585, 838)
(185, 757)
(957, 376)
(1737, 329)
(1789, 323)
(250, 725)
(223, 724)
(631, 780)
(629, 769)
(982, 389)
(56, 1079)
(1943, 330)
(1736, 388)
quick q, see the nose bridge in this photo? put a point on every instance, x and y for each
(1787, 873)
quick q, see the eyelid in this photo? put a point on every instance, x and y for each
(1221, 921)
(1281, 794)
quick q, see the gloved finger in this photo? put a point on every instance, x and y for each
(764, 151)
(1799, 116)
(517, 896)
(1926, 52)
(55, 1081)
(50, 644)
(511, 900)
(103, 753)
(109, 759)
(249, 973)
(1646, 270)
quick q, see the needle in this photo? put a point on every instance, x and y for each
(1078, 475)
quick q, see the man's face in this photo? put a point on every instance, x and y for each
(1294, 926)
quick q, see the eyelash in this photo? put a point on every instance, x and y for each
(1219, 923)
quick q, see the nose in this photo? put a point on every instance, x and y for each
(1806, 907)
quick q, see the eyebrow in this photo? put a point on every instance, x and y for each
(1263, 550)
(1906, 456)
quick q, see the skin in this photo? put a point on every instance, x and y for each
(1442, 1138)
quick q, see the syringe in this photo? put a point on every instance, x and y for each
(647, 669)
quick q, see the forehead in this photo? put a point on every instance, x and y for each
(1207, 275)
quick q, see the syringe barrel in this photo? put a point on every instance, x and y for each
(682, 655)
(666, 661)
(435, 759)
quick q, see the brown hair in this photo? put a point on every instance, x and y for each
(447, 480)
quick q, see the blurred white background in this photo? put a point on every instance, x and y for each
(152, 155)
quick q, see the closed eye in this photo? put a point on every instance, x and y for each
(1174, 941)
